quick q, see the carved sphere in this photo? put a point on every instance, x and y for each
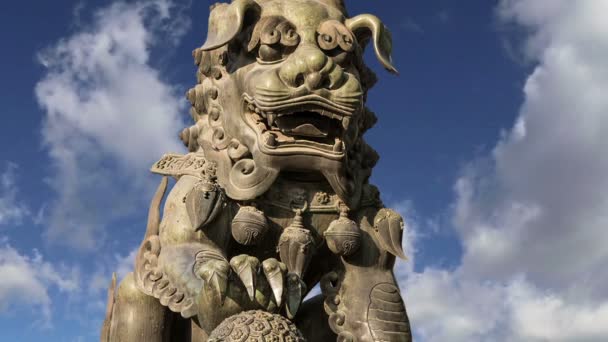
(256, 326)
(343, 237)
(249, 226)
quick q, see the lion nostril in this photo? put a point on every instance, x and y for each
(314, 80)
(299, 81)
(326, 83)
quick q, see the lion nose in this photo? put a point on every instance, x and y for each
(314, 80)
(307, 66)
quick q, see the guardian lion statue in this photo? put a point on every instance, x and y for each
(273, 196)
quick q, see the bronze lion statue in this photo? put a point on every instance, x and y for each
(273, 196)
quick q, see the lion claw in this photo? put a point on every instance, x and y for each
(214, 270)
(246, 267)
(275, 273)
(215, 275)
(296, 288)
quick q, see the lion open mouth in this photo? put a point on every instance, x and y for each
(310, 121)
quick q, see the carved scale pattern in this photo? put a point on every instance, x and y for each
(386, 314)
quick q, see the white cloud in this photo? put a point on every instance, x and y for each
(119, 264)
(108, 113)
(125, 264)
(26, 280)
(532, 216)
(12, 210)
(442, 306)
(544, 197)
(411, 234)
(455, 306)
(87, 307)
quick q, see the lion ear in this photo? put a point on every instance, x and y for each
(226, 22)
(366, 26)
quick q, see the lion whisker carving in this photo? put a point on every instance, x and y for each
(273, 197)
(274, 105)
(271, 92)
(347, 101)
(352, 96)
(274, 97)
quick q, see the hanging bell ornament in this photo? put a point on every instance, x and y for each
(296, 247)
(203, 203)
(249, 226)
(343, 235)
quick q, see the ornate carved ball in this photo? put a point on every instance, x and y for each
(249, 226)
(343, 236)
(256, 326)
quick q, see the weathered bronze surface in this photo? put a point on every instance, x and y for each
(273, 197)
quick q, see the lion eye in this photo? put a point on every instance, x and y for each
(333, 35)
(271, 37)
(274, 37)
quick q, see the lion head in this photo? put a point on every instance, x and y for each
(282, 88)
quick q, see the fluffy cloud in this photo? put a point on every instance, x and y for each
(120, 264)
(456, 306)
(12, 211)
(543, 199)
(411, 233)
(26, 281)
(532, 216)
(108, 113)
(125, 264)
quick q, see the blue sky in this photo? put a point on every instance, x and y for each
(492, 142)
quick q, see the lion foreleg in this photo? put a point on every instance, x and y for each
(134, 316)
(362, 296)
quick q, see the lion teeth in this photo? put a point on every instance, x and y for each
(338, 146)
(271, 119)
(345, 123)
(271, 140)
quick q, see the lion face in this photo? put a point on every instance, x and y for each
(282, 88)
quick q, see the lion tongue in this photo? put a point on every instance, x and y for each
(308, 130)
